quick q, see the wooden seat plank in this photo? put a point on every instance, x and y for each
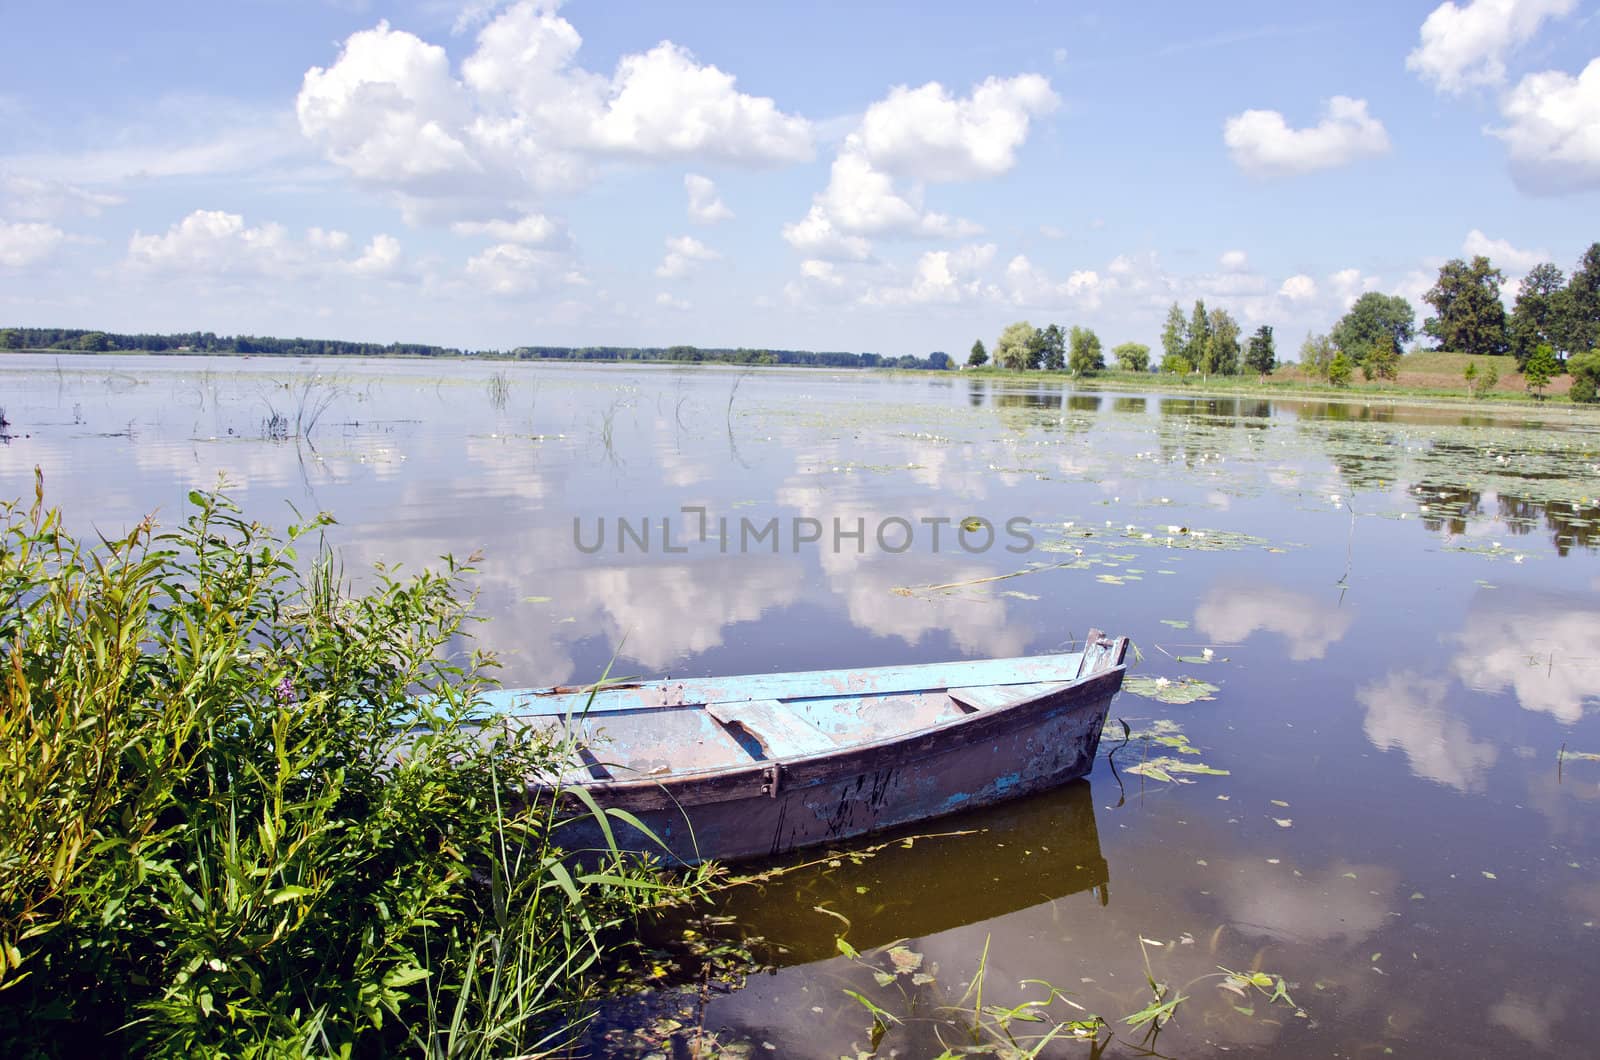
(780, 730)
(992, 697)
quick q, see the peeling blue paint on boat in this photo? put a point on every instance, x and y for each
(761, 764)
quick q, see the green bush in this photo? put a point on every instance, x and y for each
(1585, 371)
(248, 813)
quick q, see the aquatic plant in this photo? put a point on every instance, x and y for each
(499, 386)
(249, 813)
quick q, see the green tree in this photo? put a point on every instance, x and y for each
(1260, 355)
(1487, 379)
(1339, 369)
(1176, 364)
(1132, 357)
(10, 339)
(1222, 344)
(1470, 374)
(1086, 357)
(1316, 355)
(1199, 337)
(1541, 314)
(1540, 369)
(1372, 319)
(1011, 348)
(1580, 327)
(1471, 317)
(1174, 337)
(1382, 360)
(1585, 369)
(1054, 348)
(1036, 349)
(979, 356)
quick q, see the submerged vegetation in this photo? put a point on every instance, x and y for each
(249, 813)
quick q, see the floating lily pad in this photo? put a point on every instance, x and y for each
(1169, 690)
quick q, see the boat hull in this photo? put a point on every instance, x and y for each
(771, 807)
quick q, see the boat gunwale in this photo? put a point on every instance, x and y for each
(682, 787)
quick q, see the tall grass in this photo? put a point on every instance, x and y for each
(247, 812)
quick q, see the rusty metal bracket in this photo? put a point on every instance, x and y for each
(769, 780)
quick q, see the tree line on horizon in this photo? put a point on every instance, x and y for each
(82, 340)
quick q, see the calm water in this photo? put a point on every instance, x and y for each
(1402, 609)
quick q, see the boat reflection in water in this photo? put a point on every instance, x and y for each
(918, 883)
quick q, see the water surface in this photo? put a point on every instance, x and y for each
(1401, 606)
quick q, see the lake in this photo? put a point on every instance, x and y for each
(1369, 639)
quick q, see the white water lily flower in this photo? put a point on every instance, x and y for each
(1518, 559)
(1174, 529)
(1162, 682)
(1208, 653)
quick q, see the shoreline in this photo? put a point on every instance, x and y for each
(1283, 389)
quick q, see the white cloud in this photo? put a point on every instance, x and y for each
(45, 198)
(671, 301)
(1234, 261)
(380, 257)
(1347, 285)
(215, 242)
(534, 230)
(1298, 288)
(514, 269)
(27, 243)
(1262, 143)
(1028, 285)
(940, 277)
(816, 236)
(1552, 131)
(705, 205)
(522, 118)
(1463, 47)
(683, 254)
(923, 135)
(1513, 261)
(927, 134)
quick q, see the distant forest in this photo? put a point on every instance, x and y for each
(83, 341)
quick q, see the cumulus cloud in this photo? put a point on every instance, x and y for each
(928, 134)
(27, 243)
(380, 257)
(705, 205)
(1552, 131)
(667, 300)
(534, 230)
(1347, 285)
(215, 242)
(1263, 144)
(940, 277)
(1028, 285)
(816, 235)
(1298, 288)
(522, 118)
(683, 254)
(1233, 261)
(1466, 46)
(515, 269)
(919, 135)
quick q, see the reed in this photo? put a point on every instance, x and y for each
(249, 812)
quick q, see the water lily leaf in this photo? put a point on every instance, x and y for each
(905, 961)
(1169, 690)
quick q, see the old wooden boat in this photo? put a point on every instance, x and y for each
(758, 765)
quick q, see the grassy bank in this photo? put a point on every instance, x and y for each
(1428, 375)
(248, 813)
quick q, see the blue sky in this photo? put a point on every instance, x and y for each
(867, 176)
